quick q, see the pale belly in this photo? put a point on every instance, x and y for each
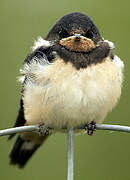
(64, 96)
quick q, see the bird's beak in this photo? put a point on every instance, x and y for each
(77, 37)
(77, 43)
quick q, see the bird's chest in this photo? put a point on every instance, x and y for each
(64, 95)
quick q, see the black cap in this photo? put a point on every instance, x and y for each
(74, 22)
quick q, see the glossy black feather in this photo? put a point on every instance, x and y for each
(20, 121)
(19, 156)
(74, 21)
(39, 54)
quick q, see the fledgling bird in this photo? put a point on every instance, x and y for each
(70, 78)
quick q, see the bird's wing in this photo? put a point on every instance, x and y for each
(20, 121)
(27, 143)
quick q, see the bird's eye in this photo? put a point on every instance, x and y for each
(89, 34)
(63, 34)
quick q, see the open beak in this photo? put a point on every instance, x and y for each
(77, 37)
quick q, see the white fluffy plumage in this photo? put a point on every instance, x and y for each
(40, 42)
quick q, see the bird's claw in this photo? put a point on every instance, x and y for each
(90, 128)
(43, 129)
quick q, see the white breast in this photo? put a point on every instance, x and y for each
(61, 95)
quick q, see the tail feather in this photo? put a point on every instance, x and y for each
(23, 150)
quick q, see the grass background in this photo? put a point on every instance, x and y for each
(106, 155)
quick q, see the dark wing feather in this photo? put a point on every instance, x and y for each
(20, 121)
(41, 53)
(24, 148)
(27, 143)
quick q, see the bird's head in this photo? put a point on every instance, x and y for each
(75, 32)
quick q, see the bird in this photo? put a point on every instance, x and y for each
(70, 78)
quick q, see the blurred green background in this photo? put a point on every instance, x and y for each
(106, 155)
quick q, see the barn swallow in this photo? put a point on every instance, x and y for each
(70, 78)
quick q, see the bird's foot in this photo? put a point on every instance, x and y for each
(90, 127)
(43, 129)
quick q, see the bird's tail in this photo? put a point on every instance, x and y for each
(24, 148)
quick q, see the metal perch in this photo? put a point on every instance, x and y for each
(70, 155)
(36, 127)
(70, 139)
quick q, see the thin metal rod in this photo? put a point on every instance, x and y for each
(36, 128)
(70, 155)
(18, 130)
(113, 127)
